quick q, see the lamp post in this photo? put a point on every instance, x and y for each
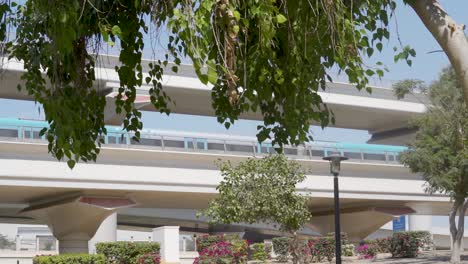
(335, 164)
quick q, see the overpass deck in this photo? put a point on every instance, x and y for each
(376, 112)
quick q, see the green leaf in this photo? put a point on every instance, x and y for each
(379, 46)
(237, 15)
(212, 73)
(280, 19)
(203, 78)
(117, 31)
(71, 163)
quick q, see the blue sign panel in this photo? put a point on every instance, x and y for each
(399, 224)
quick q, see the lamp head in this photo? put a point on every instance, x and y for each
(335, 163)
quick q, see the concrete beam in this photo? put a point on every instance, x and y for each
(357, 223)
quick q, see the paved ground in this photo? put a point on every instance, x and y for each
(434, 257)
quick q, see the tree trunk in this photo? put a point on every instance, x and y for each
(295, 248)
(450, 36)
(457, 231)
(456, 248)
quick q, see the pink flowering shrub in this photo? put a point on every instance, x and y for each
(240, 249)
(149, 258)
(322, 248)
(366, 251)
(219, 253)
(405, 244)
(208, 240)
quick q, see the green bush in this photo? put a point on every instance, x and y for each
(405, 245)
(281, 248)
(149, 258)
(125, 252)
(347, 250)
(257, 252)
(70, 259)
(425, 237)
(382, 245)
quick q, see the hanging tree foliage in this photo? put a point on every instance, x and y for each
(270, 57)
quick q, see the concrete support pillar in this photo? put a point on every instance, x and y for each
(420, 222)
(74, 243)
(18, 242)
(74, 219)
(107, 232)
(168, 238)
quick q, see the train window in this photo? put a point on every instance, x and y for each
(8, 132)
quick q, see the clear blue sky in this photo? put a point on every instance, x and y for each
(412, 32)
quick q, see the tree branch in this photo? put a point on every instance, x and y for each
(449, 35)
(461, 221)
(453, 214)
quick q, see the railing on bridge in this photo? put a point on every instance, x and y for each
(29, 131)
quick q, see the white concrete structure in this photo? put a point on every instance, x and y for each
(168, 238)
(420, 222)
(107, 232)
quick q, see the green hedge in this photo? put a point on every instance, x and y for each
(125, 252)
(70, 259)
(281, 248)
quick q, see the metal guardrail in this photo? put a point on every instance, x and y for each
(212, 143)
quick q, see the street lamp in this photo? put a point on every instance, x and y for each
(335, 165)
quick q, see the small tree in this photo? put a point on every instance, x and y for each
(440, 151)
(6, 243)
(261, 190)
